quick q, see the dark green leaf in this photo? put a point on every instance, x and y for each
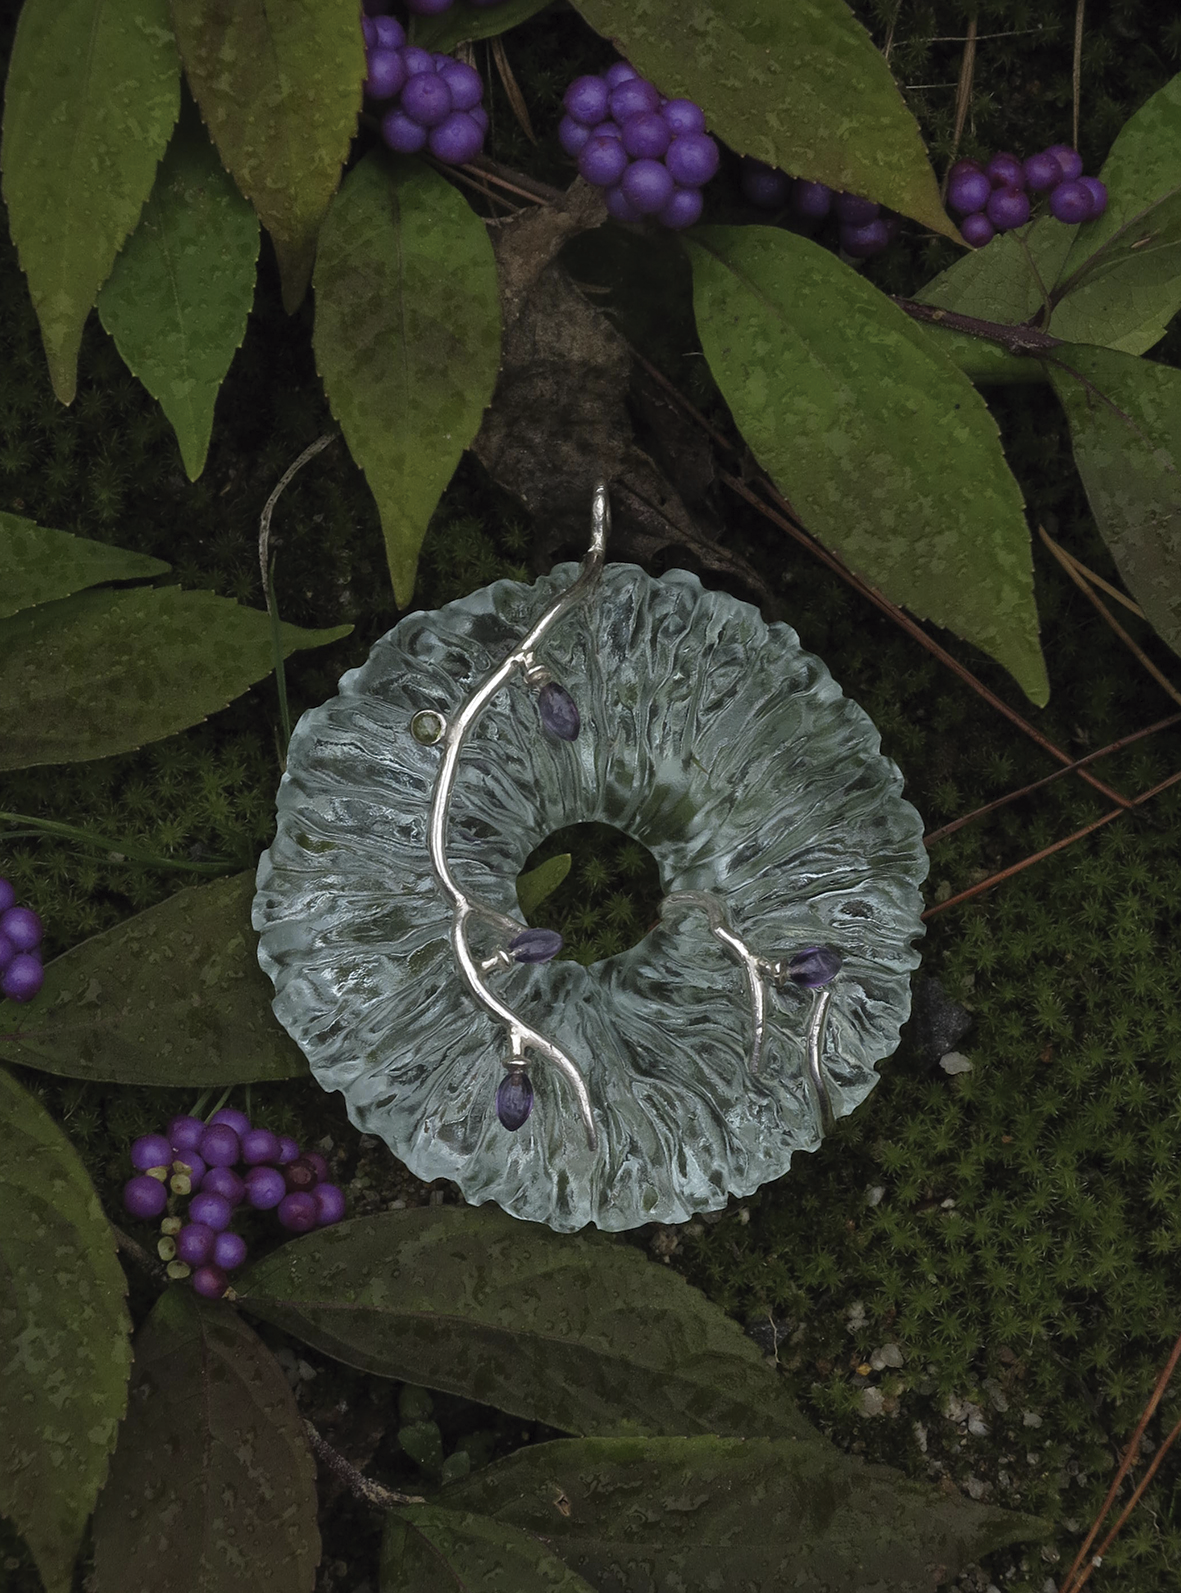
(102, 672)
(92, 95)
(172, 996)
(426, 1550)
(691, 1515)
(212, 1488)
(883, 446)
(580, 1332)
(800, 86)
(1125, 425)
(542, 881)
(1122, 279)
(38, 565)
(65, 1336)
(177, 300)
(464, 21)
(407, 338)
(279, 86)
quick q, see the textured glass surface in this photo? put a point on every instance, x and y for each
(707, 735)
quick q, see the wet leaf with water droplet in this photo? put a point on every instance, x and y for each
(279, 86)
(173, 995)
(542, 881)
(177, 300)
(426, 1550)
(38, 565)
(212, 1485)
(883, 446)
(407, 338)
(103, 672)
(700, 1514)
(462, 22)
(577, 1331)
(801, 86)
(65, 1337)
(92, 94)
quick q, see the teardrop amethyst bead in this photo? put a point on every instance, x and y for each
(536, 945)
(814, 966)
(559, 711)
(514, 1099)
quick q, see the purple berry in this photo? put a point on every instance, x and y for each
(814, 966)
(1042, 172)
(683, 116)
(211, 1282)
(572, 136)
(1009, 208)
(692, 159)
(220, 1145)
(862, 242)
(464, 84)
(620, 72)
(618, 206)
(150, 1150)
(514, 1099)
(212, 1209)
(558, 710)
(194, 1243)
(1069, 159)
(417, 61)
(963, 166)
(298, 1212)
(259, 1145)
(391, 35)
(853, 210)
(647, 187)
(265, 1188)
(457, 139)
(426, 100)
(386, 74)
(632, 97)
(300, 1176)
(1098, 192)
(7, 895)
(646, 135)
(319, 1165)
(192, 1163)
(813, 200)
(144, 1197)
(232, 1118)
(224, 1182)
(1071, 201)
(22, 926)
(683, 209)
(329, 1204)
(608, 129)
(480, 116)
(535, 945)
(968, 192)
(368, 32)
(7, 952)
(229, 1251)
(1005, 171)
(764, 185)
(977, 230)
(428, 8)
(23, 977)
(401, 134)
(184, 1133)
(586, 100)
(603, 160)
(288, 1150)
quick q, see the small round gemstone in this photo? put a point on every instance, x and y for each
(329, 1204)
(214, 1210)
(298, 1212)
(209, 1282)
(536, 945)
(150, 1150)
(144, 1197)
(194, 1243)
(977, 230)
(229, 1251)
(225, 1182)
(514, 1099)
(220, 1145)
(1042, 172)
(427, 727)
(1005, 171)
(259, 1145)
(184, 1133)
(558, 710)
(1071, 201)
(814, 966)
(265, 1188)
(1069, 159)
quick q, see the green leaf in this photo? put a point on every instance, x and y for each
(1125, 425)
(464, 22)
(102, 672)
(173, 996)
(92, 95)
(427, 1550)
(407, 338)
(212, 1486)
(38, 565)
(279, 86)
(1121, 283)
(884, 448)
(697, 1514)
(542, 881)
(177, 300)
(65, 1337)
(577, 1331)
(800, 86)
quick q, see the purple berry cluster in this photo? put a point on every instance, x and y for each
(995, 198)
(652, 155)
(21, 974)
(436, 98)
(198, 1159)
(864, 227)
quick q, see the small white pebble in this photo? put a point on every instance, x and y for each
(397, 1205)
(743, 1215)
(873, 1195)
(920, 1434)
(326, 1144)
(887, 1355)
(855, 1320)
(954, 1063)
(873, 1401)
(1030, 1418)
(305, 1371)
(976, 1488)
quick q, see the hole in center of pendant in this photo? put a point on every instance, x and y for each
(607, 901)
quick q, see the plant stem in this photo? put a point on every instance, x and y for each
(356, 1481)
(1019, 340)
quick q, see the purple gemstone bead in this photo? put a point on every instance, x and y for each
(194, 1243)
(692, 159)
(514, 1099)
(214, 1210)
(457, 139)
(586, 100)
(150, 1150)
(683, 116)
(401, 134)
(298, 1213)
(856, 211)
(220, 1145)
(225, 1182)
(232, 1118)
(390, 33)
(7, 952)
(1009, 208)
(144, 1197)
(647, 186)
(23, 977)
(184, 1133)
(387, 74)
(22, 926)
(764, 185)
(329, 1204)
(813, 200)
(259, 1145)
(977, 230)
(646, 135)
(572, 136)
(683, 209)
(536, 945)
(1069, 159)
(814, 966)
(1042, 172)
(229, 1251)
(558, 710)
(969, 192)
(7, 895)
(210, 1282)
(265, 1188)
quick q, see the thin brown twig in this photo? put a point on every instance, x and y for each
(512, 88)
(889, 44)
(679, 398)
(143, 1259)
(264, 522)
(357, 1482)
(1076, 76)
(516, 182)
(1097, 580)
(963, 95)
(480, 185)
(1046, 851)
(1137, 652)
